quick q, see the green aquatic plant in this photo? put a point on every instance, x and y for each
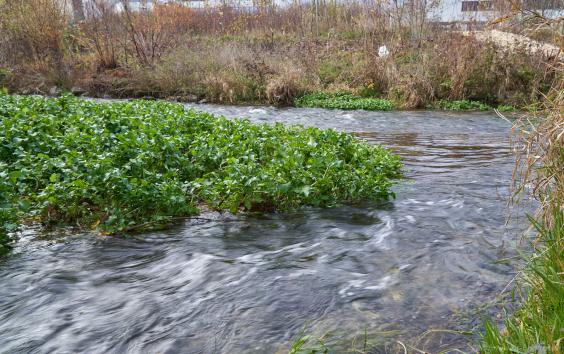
(343, 100)
(462, 105)
(506, 108)
(132, 165)
(7, 211)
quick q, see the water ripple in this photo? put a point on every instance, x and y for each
(252, 284)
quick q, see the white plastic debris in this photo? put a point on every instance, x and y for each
(383, 51)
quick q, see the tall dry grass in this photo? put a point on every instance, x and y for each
(538, 137)
(539, 142)
(536, 325)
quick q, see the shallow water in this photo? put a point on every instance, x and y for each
(251, 284)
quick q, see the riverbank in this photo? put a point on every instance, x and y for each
(536, 325)
(130, 166)
(177, 54)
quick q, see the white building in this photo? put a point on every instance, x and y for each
(464, 11)
(448, 11)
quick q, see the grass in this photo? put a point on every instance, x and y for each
(343, 100)
(131, 165)
(537, 326)
(305, 344)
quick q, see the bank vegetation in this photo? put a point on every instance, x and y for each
(270, 55)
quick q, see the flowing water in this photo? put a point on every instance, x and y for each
(252, 284)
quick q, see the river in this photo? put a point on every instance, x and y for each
(429, 259)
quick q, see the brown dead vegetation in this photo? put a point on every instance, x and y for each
(267, 56)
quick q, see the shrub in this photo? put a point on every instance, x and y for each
(36, 29)
(153, 33)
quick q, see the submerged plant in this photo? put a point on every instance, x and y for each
(131, 165)
(344, 101)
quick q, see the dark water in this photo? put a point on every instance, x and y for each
(427, 260)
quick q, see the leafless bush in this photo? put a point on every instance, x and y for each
(35, 30)
(153, 32)
(104, 34)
